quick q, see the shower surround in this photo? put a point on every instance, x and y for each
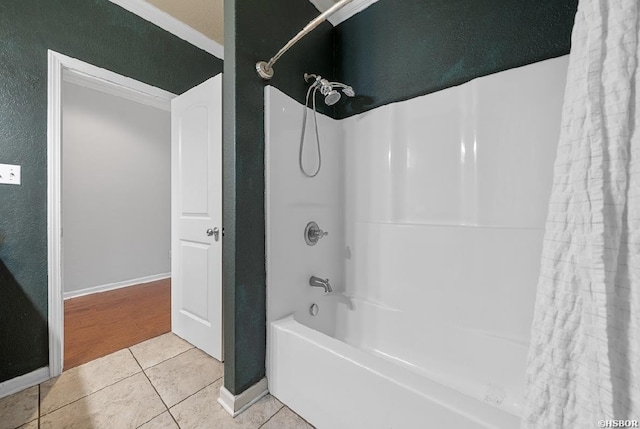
(435, 209)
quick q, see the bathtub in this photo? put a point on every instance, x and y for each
(336, 370)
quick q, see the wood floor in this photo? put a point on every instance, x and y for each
(102, 323)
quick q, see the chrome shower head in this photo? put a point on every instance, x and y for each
(332, 97)
(329, 89)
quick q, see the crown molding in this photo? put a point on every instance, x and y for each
(346, 12)
(174, 26)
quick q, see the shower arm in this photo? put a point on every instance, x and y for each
(265, 69)
(339, 85)
(308, 77)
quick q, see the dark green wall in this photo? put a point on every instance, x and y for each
(396, 50)
(94, 31)
(255, 30)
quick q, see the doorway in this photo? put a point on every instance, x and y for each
(61, 69)
(116, 219)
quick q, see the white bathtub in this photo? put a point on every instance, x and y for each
(343, 375)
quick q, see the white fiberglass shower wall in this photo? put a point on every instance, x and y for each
(435, 208)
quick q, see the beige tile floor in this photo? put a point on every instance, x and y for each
(162, 383)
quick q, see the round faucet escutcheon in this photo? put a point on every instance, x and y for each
(313, 233)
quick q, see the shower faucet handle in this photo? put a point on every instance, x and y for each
(313, 233)
(318, 233)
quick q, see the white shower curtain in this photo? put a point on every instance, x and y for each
(584, 359)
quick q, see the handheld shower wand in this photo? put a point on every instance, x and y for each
(331, 97)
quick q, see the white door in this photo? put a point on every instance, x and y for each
(196, 216)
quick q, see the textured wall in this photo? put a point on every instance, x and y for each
(255, 31)
(100, 33)
(396, 50)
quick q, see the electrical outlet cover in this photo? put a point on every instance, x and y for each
(9, 174)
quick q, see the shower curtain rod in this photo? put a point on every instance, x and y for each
(265, 69)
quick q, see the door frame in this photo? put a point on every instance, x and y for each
(62, 67)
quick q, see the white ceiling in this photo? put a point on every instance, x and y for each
(205, 16)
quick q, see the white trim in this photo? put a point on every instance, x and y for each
(236, 404)
(54, 225)
(346, 12)
(114, 286)
(59, 65)
(22, 382)
(111, 88)
(174, 26)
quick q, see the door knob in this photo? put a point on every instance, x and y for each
(215, 232)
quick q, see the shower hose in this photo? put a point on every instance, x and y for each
(313, 87)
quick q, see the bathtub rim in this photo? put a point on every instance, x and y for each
(446, 397)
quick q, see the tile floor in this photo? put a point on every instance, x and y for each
(161, 383)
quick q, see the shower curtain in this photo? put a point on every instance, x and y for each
(584, 358)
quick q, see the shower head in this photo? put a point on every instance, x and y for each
(332, 97)
(329, 89)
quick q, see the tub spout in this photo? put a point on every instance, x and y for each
(318, 282)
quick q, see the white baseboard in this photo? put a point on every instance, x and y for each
(22, 382)
(113, 286)
(236, 404)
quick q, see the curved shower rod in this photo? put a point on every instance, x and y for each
(265, 69)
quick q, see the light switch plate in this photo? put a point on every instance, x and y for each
(9, 174)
